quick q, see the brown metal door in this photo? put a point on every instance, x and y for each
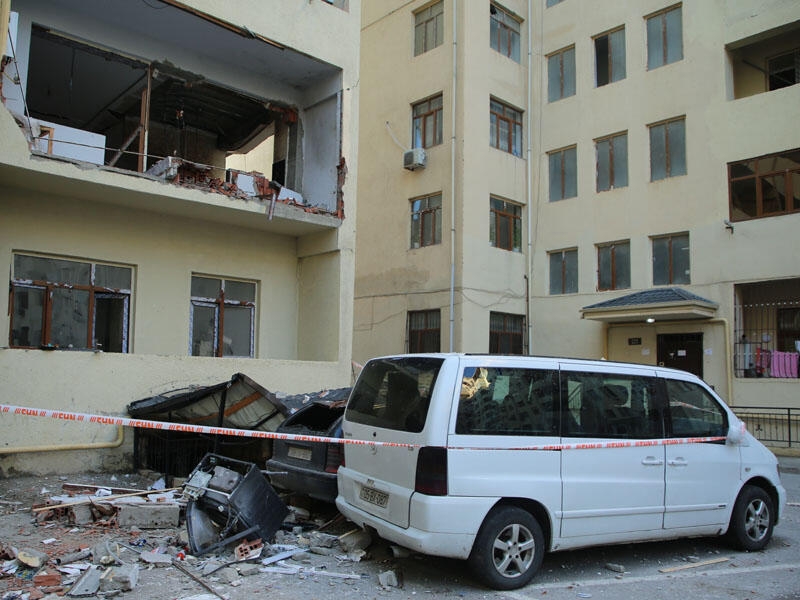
(681, 351)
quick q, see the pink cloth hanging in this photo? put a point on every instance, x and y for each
(784, 364)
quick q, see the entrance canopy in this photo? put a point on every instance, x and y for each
(657, 304)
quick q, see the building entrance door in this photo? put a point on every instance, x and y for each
(681, 351)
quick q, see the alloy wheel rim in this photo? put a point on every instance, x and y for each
(757, 520)
(513, 550)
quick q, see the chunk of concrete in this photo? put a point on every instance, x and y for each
(158, 559)
(123, 578)
(32, 558)
(149, 515)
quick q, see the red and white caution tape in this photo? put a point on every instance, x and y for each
(184, 428)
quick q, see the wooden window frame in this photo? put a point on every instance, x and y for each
(426, 212)
(562, 94)
(612, 75)
(509, 24)
(504, 211)
(612, 162)
(563, 270)
(661, 15)
(94, 291)
(669, 151)
(672, 238)
(759, 172)
(421, 19)
(417, 336)
(516, 338)
(500, 111)
(613, 262)
(219, 304)
(563, 173)
(420, 111)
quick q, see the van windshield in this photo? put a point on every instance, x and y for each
(394, 393)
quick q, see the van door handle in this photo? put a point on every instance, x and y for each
(678, 462)
(652, 460)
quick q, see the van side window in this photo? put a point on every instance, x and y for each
(609, 405)
(394, 393)
(693, 411)
(507, 401)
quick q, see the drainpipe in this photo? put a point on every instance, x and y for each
(453, 181)
(115, 443)
(529, 184)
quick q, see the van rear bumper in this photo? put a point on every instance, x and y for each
(462, 515)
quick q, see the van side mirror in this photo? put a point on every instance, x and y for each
(736, 432)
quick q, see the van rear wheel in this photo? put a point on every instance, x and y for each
(509, 548)
(752, 519)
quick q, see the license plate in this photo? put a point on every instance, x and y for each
(299, 452)
(374, 496)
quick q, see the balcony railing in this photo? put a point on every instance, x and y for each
(777, 427)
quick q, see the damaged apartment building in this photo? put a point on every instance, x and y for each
(174, 189)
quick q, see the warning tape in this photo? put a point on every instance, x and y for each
(185, 428)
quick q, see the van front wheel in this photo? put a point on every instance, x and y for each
(752, 519)
(509, 548)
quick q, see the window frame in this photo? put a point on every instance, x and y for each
(419, 218)
(563, 192)
(512, 331)
(613, 74)
(655, 62)
(770, 72)
(790, 177)
(615, 167)
(563, 266)
(671, 151)
(500, 112)
(421, 19)
(505, 21)
(503, 211)
(219, 304)
(416, 337)
(613, 276)
(419, 122)
(92, 289)
(673, 239)
(563, 88)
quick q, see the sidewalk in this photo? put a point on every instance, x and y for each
(787, 463)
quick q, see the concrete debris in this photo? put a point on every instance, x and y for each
(357, 539)
(87, 584)
(123, 578)
(615, 567)
(159, 559)
(147, 515)
(249, 550)
(32, 558)
(388, 579)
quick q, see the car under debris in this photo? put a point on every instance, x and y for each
(303, 467)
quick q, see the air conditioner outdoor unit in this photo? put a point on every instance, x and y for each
(414, 159)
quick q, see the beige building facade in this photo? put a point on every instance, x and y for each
(177, 204)
(617, 180)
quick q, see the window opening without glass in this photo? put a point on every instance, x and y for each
(784, 70)
(765, 186)
(222, 317)
(609, 52)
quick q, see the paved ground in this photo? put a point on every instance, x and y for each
(712, 570)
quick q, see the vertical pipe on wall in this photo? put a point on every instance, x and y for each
(529, 184)
(453, 181)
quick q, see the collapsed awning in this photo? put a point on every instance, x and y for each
(657, 304)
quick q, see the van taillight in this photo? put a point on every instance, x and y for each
(431, 471)
(334, 458)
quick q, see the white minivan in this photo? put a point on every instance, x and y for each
(498, 459)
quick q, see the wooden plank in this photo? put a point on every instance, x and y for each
(703, 563)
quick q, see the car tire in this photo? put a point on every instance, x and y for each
(508, 549)
(752, 519)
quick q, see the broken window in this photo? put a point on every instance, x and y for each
(505, 128)
(428, 28)
(784, 70)
(765, 186)
(667, 149)
(426, 124)
(506, 333)
(664, 37)
(563, 271)
(561, 74)
(504, 32)
(563, 165)
(222, 317)
(424, 328)
(67, 304)
(614, 266)
(612, 162)
(426, 221)
(671, 259)
(609, 52)
(505, 225)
